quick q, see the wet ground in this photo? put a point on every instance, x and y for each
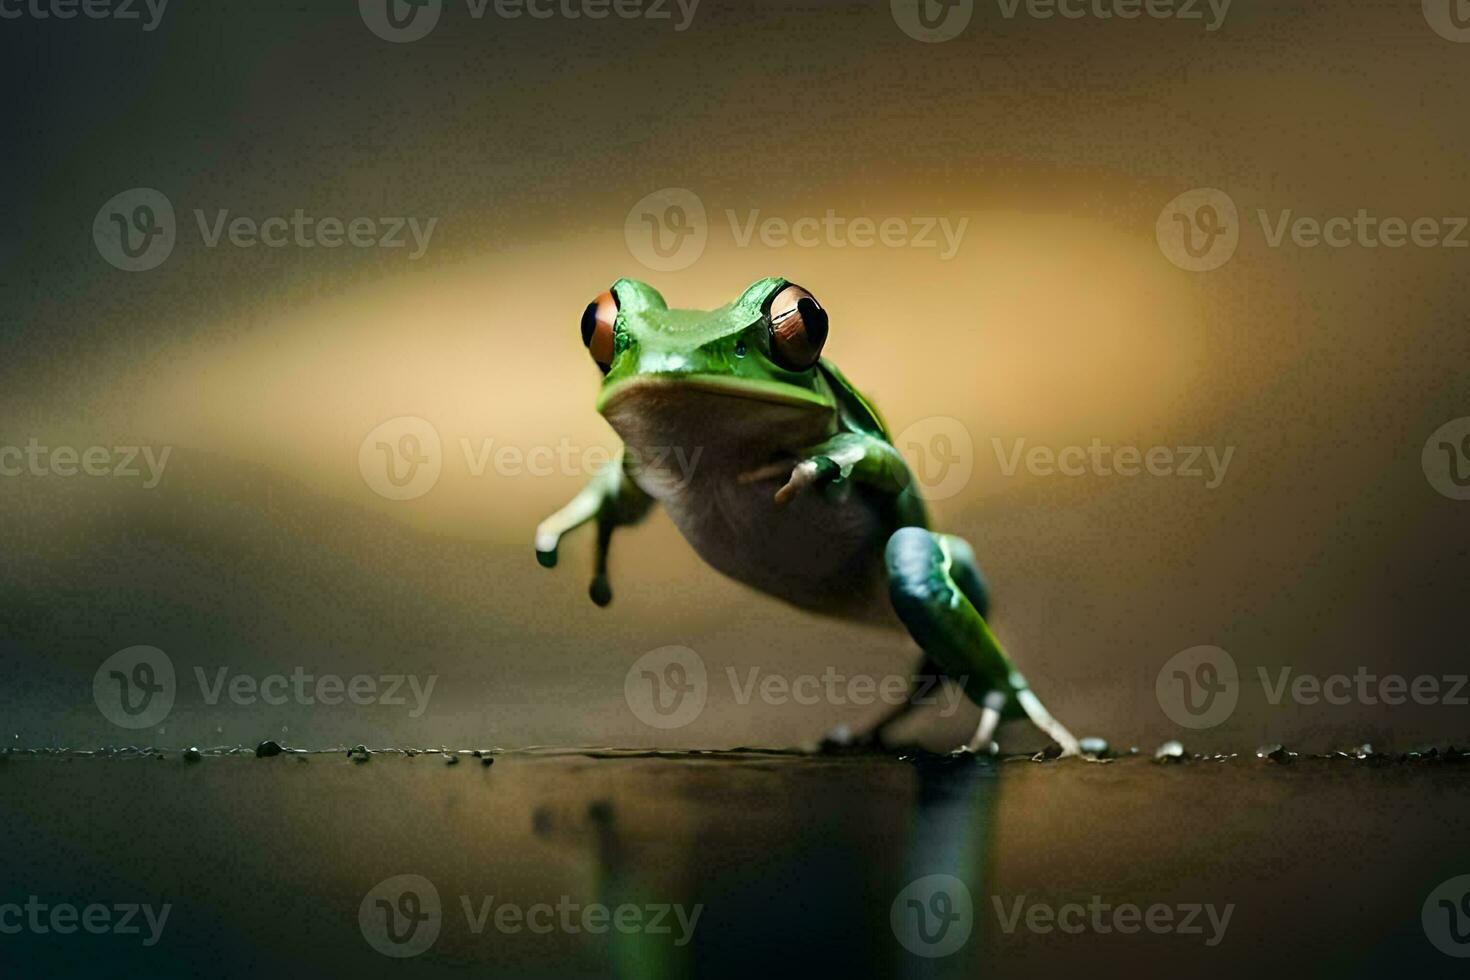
(571, 864)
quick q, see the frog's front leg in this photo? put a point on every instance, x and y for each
(924, 585)
(613, 500)
(851, 456)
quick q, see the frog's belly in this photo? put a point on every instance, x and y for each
(815, 552)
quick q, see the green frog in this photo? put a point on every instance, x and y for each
(782, 476)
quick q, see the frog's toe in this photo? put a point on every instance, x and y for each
(546, 545)
(815, 472)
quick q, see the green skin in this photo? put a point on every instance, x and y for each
(789, 482)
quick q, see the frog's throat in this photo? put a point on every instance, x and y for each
(748, 388)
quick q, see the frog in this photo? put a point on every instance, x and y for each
(782, 476)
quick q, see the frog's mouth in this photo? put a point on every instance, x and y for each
(729, 422)
(657, 387)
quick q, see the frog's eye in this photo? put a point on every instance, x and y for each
(798, 328)
(597, 329)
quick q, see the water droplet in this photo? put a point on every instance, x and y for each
(1275, 753)
(1170, 751)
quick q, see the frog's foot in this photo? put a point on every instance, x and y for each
(983, 741)
(927, 580)
(1043, 720)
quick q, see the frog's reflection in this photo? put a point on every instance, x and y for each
(936, 917)
(898, 894)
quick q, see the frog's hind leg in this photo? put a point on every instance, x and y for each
(966, 572)
(931, 582)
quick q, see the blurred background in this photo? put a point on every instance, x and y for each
(528, 153)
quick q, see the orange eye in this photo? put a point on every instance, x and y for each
(798, 328)
(597, 329)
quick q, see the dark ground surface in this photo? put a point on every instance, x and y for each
(796, 861)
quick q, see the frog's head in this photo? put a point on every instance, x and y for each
(744, 373)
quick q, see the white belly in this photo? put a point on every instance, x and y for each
(815, 552)
(819, 551)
